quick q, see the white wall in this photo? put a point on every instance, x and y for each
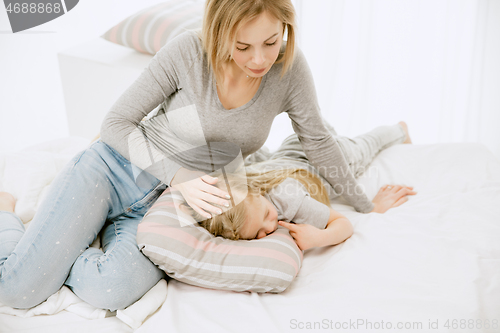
(432, 63)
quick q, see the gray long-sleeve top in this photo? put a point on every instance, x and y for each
(188, 115)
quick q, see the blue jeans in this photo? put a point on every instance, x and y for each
(95, 192)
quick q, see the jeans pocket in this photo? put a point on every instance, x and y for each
(113, 152)
(143, 205)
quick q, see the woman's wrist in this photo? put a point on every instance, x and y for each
(172, 182)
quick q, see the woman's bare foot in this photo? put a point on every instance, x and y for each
(405, 127)
(7, 202)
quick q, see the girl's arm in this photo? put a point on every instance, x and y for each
(337, 230)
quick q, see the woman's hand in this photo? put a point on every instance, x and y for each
(305, 235)
(390, 196)
(199, 191)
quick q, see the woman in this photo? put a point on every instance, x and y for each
(226, 88)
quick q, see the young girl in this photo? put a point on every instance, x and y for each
(296, 198)
(279, 197)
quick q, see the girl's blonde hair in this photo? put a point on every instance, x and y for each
(223, 18)
(230, 222)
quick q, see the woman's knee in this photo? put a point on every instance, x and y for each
(112, 281)
(16, 302)
(115, 294)
(21, 295)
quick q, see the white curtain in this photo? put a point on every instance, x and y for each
(433, 63)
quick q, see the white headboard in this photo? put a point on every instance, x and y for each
(94, 74)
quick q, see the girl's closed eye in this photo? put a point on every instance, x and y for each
(264, 231)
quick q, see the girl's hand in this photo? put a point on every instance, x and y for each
(305, 235)
(197, 189)
(390, 196)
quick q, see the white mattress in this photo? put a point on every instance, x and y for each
(433, 259)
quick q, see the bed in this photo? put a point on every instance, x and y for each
(432, 264)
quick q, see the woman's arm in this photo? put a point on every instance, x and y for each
(321, 148)
(307, 236)
(155, 84)
(120, 128)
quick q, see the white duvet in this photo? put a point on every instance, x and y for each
(430, 265)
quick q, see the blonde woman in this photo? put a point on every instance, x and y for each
(283, 188)
(223, 85)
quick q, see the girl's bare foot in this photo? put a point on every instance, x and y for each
(7, 202)
(405, 127)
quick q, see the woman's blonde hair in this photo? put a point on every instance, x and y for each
(230, 222)
(223, 18)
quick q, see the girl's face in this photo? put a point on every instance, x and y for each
(258, 43)
(262, 218)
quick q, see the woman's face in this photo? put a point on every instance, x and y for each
(258, 43)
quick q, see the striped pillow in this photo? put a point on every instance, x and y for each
(148, 30)
(189, 253)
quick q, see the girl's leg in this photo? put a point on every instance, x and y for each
(96, 184)
(360, 151)
(290, 149)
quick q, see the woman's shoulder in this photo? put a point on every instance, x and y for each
(182, 55)
(299, 63)
(298, 67)
(185, 45)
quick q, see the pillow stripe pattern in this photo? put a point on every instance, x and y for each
(150, 29)
(189, 253)
(188, 239)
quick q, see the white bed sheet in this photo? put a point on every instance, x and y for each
(434, 258)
